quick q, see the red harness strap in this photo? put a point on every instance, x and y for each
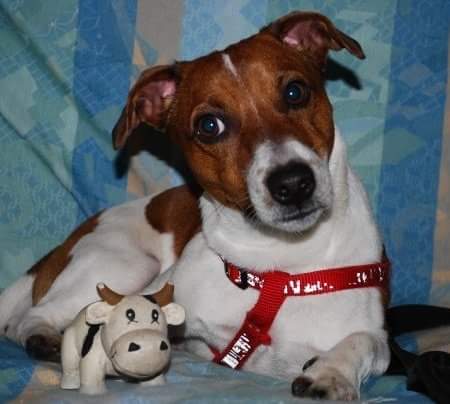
(275, 286)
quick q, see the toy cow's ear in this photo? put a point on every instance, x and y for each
(174, 313)
(98, 313)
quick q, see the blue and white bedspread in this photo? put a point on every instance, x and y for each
(65, 70)
(189, 380)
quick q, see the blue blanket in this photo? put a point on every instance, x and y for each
(189, 380)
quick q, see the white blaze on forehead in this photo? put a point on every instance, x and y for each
(231, 67)
(229, 64)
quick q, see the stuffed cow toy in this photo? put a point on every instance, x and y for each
(120, 336)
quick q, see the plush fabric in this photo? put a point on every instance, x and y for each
(65, 70)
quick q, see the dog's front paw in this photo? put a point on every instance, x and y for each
(330, 385)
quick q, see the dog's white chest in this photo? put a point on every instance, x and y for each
(216, 306)
(303, 327)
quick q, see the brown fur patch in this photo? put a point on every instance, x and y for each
(176, 211)
(47, 269)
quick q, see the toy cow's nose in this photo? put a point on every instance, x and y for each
(163, 346)
(133, 347)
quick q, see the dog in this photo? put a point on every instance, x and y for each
(278, 260)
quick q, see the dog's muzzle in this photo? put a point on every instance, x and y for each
(289, 186)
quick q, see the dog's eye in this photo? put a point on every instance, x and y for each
(131, 315)
(155, 316)
(296, 94)
(209, 127)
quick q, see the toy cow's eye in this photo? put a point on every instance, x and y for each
(155, 316)
(131, 315)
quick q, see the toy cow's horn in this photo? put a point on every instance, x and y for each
(164, 296)
(108, 295)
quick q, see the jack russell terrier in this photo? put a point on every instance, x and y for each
(278, 262)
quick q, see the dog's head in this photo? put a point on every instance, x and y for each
(254, 120)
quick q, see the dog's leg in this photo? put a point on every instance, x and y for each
(46, 339)
(40, 329)
(338, 373)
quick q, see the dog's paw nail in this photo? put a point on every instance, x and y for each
(300, 385)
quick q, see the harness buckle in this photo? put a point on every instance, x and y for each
(242, 281)
(243, 284)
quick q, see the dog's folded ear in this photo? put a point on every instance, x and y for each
(314, 33)
(148, 101)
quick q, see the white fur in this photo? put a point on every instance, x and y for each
(345, 328)
(231, 67)
(124, 251)
(229, 64)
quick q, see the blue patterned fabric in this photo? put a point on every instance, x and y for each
(409, 180)
(58, 103)
(65, 71)
(189, 380)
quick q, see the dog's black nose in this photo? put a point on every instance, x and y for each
(291, 184)
(163, 346)
(133, 347)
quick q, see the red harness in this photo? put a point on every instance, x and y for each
(275, 286)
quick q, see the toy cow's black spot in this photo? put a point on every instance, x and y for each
(89, 339)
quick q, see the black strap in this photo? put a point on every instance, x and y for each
(428, 373)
